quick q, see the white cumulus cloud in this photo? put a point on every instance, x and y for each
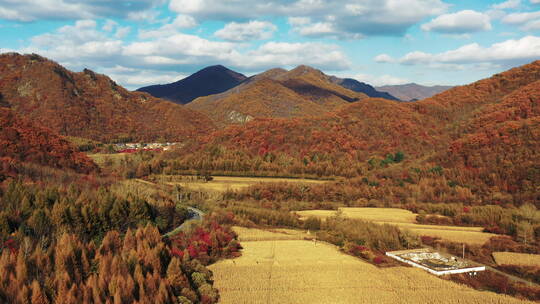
(315, 18)
(462, 22)
(165, 54)
(507, 4)
(384, 58)
(507, 53)
(76, 43)
(136, 78)
(272, 54)
(527, 21)
(179, 23)
(381, 80)
(252, 30)
(30, 10)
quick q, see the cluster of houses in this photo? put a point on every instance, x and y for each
(135, 147)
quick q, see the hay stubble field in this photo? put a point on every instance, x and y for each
(406, 219)
(273, 270)
(513, 258)
(224, 183)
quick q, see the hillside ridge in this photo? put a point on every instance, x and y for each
(90, 105)
(277, 93)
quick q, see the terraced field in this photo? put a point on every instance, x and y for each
(406, 219)
(273, 270)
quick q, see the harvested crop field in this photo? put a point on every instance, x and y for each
(299, 271)
(278, 234)
(224, 183)
(102, 159)
(512, 258)
(406, 220)
(392, 215)
(448, 233)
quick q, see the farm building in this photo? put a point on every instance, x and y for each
(435, 262)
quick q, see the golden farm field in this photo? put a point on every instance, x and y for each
(278, 234)
(406, 219)
(224, 183)
(102, 159)
(512, 258)
(300, 271)
(392, 215)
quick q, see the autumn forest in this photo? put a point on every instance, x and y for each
(86, 218)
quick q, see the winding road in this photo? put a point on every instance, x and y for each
(196, 216)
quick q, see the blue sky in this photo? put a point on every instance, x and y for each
(142, 42)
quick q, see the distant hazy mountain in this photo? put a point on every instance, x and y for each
(413, 91)
(361, 87)
(208, 81)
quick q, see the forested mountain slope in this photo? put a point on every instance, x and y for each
(90, 105)
(23, 142)
(483, 138)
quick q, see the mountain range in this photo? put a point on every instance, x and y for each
(412, 91)
(372, 124)
(218, 79)
(361, 87)
(487, 131)
(211, 80)
(276, 93)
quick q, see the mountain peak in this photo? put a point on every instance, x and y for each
(208, 81)
(304, 69)
(215, 68)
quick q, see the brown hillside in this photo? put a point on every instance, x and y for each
(276, 93)
(521, 104)
(265, 98)
(502, 143)
(318, 87)
(90, 105)
(21, 141)
(377, 126)
(476, 144)
(360, 128)
(460, 102)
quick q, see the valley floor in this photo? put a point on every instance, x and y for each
(285, 268)
(407, 220)
(225, 183)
